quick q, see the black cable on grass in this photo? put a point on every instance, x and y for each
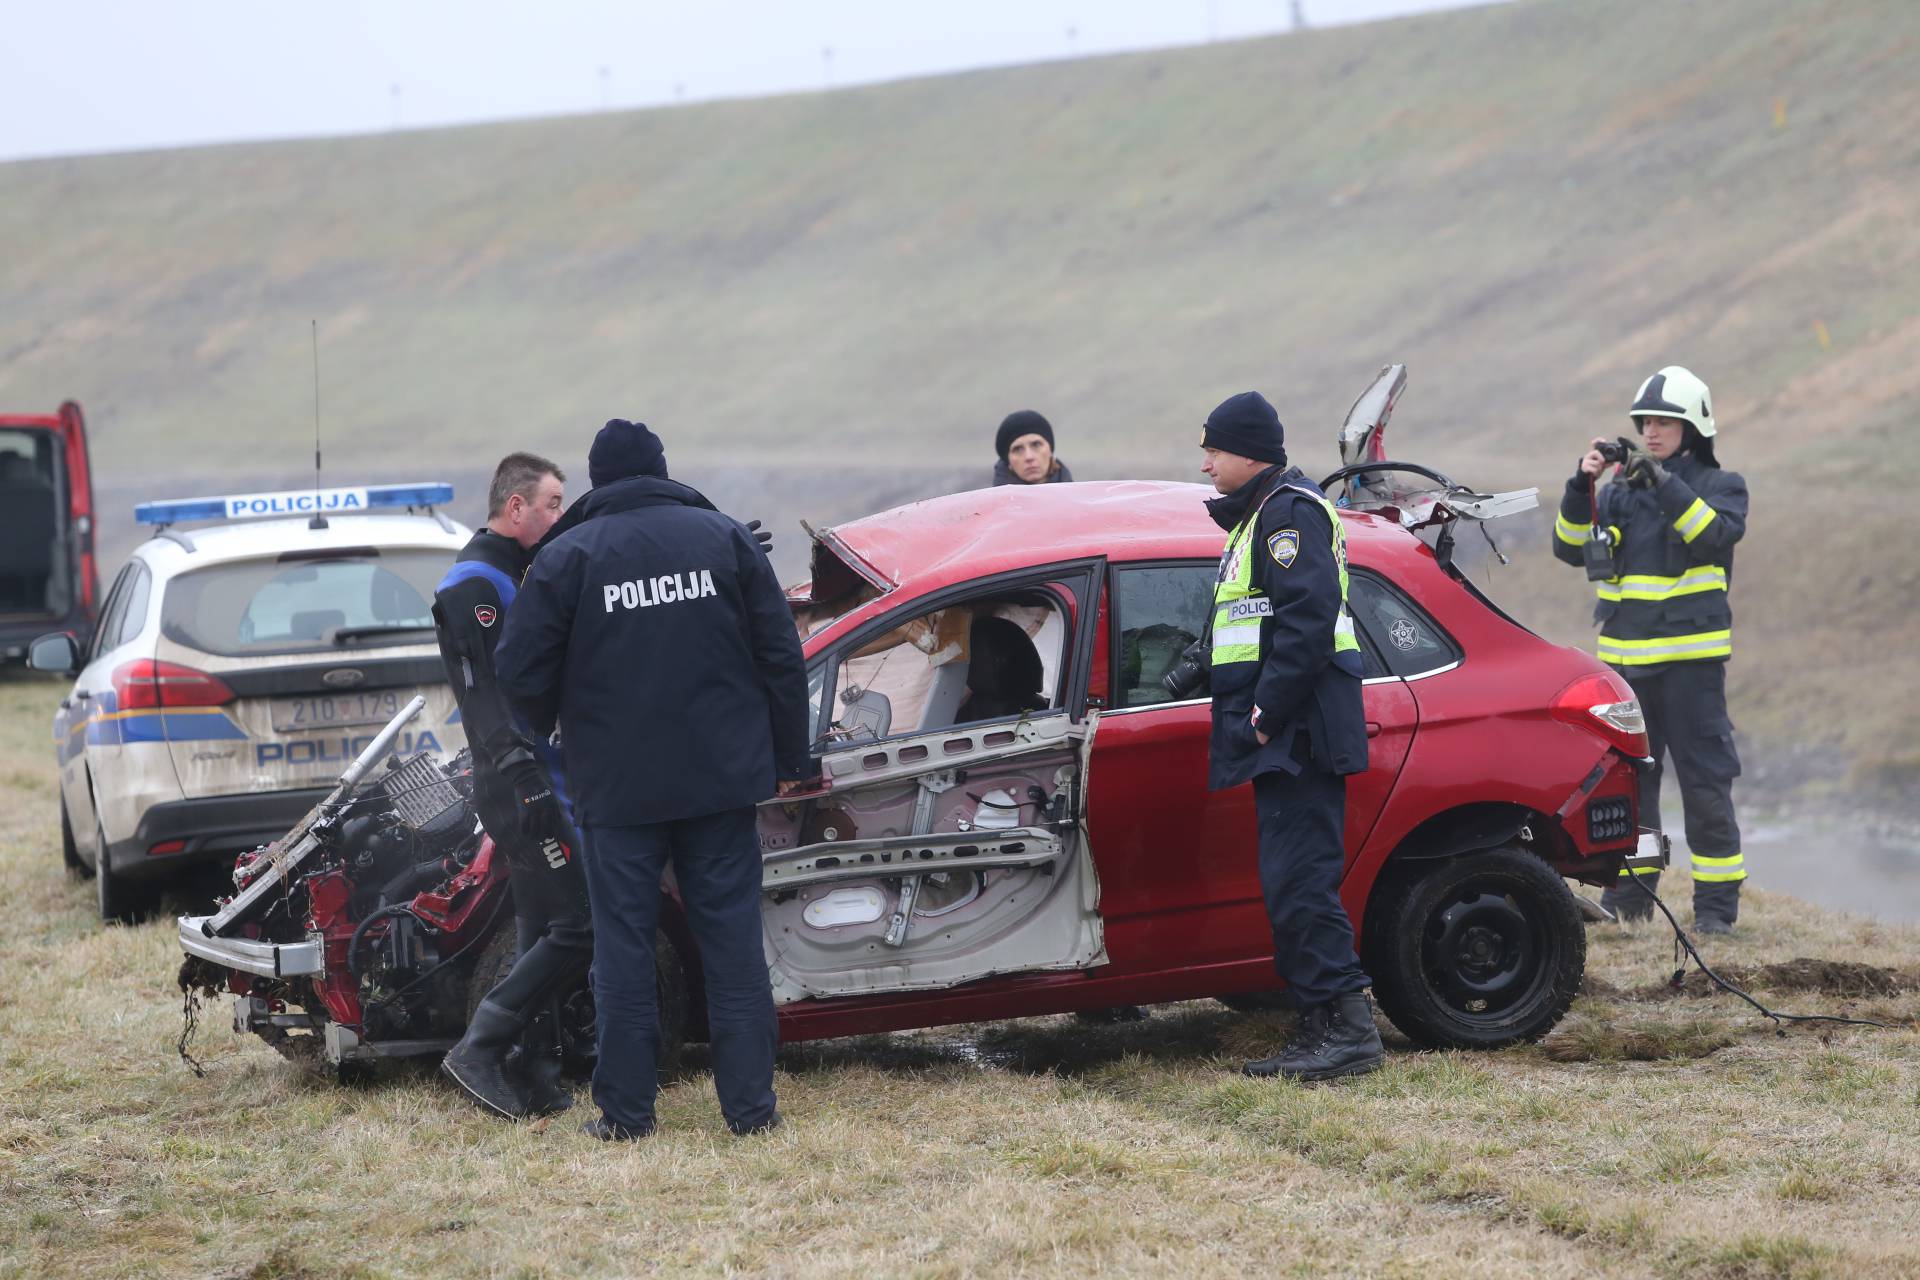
(1681, 941)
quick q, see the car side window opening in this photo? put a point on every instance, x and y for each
(107, 634)
(133, 618)
(1159, 610)
(994, 658)
(1396, 633)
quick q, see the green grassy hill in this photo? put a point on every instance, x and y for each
(826, 302)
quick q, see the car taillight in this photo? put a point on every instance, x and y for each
(1603, 704)
(148, 682)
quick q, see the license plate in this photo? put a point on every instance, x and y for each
(337, 710)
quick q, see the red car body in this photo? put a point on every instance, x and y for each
(1483, 751)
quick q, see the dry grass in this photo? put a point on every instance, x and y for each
(1027, 1148)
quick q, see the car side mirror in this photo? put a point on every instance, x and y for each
(56, 653)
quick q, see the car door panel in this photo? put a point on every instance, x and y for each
(890, 882)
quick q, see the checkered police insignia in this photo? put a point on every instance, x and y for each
(1284, 546)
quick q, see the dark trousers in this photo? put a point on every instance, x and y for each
(551, 914)
(716, 863)
(1685, 704)
(1302, 855)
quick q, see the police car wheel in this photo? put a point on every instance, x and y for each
(1475, 952)
(76, 866)
(120, 902)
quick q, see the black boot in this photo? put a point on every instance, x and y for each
(1336, 1039)
(478, 1064)
(1715, 906)
(1625, 899)
(538, 1064)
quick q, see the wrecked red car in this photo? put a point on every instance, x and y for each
(1015, 820)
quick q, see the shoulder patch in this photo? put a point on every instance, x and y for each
(485, 614)
(1284, 547)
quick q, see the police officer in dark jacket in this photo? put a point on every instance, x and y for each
(1287, 716)
(1665, 532)
(516, 790)
(653, 630)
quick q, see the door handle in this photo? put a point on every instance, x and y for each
(66, 704)
(81, 695)
(1373, 728)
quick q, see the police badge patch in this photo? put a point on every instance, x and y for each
(484, 614)
(1284, 546)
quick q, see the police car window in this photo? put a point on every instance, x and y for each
(270, 606)
(106, 634)
(1159, 610)
(134, 617)
(993, 658)
(1408, 641)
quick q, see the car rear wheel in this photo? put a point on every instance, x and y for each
(121, 901)
(1475, 952)
(77, 867)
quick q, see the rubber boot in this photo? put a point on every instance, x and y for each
(1347, 1044)
(1626, 901)
(478, 1064)
(539, 1064)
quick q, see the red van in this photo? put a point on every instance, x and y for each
(48, 579)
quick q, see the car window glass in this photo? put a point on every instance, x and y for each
(992, 658)
(134, 617)
(1159, 610)
(1405, 638)
(270, 606)
(106, 634)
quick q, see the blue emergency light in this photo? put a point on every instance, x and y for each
(295, 502)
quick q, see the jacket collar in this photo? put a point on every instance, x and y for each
(626, 495)
(1230, 509)
(498, 550)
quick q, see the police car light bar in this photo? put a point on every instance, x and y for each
(295, 502)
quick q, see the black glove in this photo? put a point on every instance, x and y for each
(541, 817)
(1644, 470)
(763, 536)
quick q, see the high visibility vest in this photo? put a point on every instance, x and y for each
(1237, 610)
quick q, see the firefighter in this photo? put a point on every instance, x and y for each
(653, 629)
(1025, 445)
(1667, 526)
(1285, 672)
(521, 805)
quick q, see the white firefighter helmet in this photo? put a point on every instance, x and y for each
(1675, 392)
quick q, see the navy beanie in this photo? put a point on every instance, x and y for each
(1021, 422)
(623, 450)
(1247, 425)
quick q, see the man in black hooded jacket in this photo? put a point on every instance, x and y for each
(651, 627)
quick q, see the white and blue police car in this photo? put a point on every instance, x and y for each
(237, 669)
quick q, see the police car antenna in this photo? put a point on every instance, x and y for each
(319, 521)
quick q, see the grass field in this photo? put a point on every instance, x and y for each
(1656, 1133)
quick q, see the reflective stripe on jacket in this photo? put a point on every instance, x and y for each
(1673, 560)
(1238, 608)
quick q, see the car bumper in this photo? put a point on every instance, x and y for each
(268, 959)
(210, 827)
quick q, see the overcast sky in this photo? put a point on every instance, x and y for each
(117, 75)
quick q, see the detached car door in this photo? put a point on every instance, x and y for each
(950, 843)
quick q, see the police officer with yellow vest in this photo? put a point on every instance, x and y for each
(1658, 542)
(1287, 716)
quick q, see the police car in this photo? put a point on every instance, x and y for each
(237, 669)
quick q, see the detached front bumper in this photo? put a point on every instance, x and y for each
(267, 959)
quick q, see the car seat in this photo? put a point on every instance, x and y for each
(1003, 672)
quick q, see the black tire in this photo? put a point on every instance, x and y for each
(576, 1005)
(1475, 952)
(121, 901)
(69, 851)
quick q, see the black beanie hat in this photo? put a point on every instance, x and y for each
(1021, 422)
(1247, 425)
(623, 450)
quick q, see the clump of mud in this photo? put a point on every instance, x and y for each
(1825, 977)
(1603, 1040)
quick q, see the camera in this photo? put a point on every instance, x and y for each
(1188, 676)
(1616, 450)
